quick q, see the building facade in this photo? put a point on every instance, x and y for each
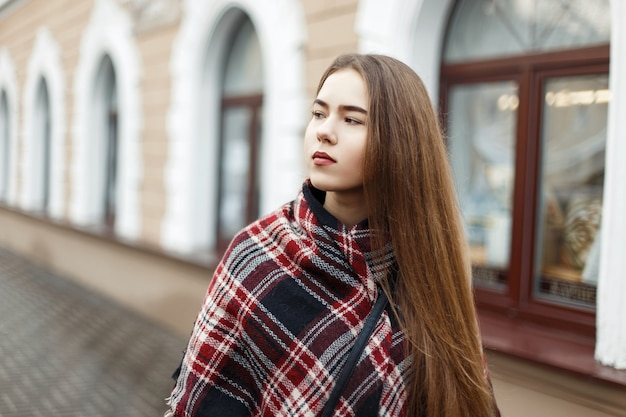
(136, 137)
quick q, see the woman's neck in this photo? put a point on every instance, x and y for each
(348, 208)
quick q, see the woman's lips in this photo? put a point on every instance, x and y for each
(322, 158)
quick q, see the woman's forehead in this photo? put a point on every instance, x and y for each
(344, 87)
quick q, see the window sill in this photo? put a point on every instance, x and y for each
(562, 351)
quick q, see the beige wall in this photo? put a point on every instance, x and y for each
(156, 48)
(330, 32)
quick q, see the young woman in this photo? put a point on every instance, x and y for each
(293, 291)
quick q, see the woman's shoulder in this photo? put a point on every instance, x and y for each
(269, 227)
(270, 223)
(260, 248)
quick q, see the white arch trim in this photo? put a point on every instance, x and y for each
(109, 32)
(279, 24)
(44, 62)
(8, 84)
(409, 30)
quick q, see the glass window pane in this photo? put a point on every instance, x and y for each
(110, 189)
(5, 146)
(241, 101)
(572, 177)
(244, 69)
(110, 127)
(235, 170)
(482, 29)
(43, 146)
(481, 130)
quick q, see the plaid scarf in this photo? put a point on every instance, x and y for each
(283, 309)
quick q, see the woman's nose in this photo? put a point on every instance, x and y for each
(326, 132)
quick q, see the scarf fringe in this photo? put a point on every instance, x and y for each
(169, 412)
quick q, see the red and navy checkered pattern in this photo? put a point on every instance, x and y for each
(283, 310)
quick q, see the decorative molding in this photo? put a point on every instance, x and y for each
(152, 14)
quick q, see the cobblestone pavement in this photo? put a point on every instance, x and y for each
(68, 352)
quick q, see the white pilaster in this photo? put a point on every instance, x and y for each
(611, 299)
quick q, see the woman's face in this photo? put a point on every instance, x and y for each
(335, 138)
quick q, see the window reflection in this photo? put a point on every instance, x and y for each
(574, 141)
(235, 170)
(482, 123)
(494, 28)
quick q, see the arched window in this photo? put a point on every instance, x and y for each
(240, 135)
(41, 182)
(5, 146)
(525, 94)
(105, 117)
(106, 148)
(42, 148)
(203, 45)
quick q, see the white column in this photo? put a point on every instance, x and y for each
(611, 305)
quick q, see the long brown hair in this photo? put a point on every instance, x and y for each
(411, 198)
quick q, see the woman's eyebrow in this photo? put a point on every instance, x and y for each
(353, 108)
(344, 107)
(320, 102)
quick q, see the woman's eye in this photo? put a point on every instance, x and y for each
(352, 121)
(317, 114)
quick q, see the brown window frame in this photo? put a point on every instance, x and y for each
(515, 321)
(253, 102)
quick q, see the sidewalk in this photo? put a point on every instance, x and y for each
(65, 351)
